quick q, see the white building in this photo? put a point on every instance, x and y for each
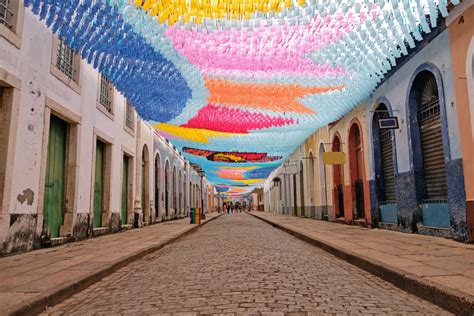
(75, 160)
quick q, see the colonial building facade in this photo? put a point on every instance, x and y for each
(416, 178)
(75, 159)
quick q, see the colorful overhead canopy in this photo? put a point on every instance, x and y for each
(237, 85)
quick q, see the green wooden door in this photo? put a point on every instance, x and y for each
(143, 188)
(99, 184)
(124, 190)
(55, 176)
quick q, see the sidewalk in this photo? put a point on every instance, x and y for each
(438, 270)
(29, 282)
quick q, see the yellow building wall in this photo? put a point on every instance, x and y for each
(461, 33)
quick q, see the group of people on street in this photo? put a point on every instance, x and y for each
(230, 207)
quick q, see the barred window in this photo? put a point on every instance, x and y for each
(65, 60)
(106, 93)
(6, 13)
(130, 116)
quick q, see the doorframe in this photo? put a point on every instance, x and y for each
(338, 182)
(10, 81)
(166, 192)
(353, 164)
(302, 185)
(312, 181)
(72, 165)
(375, 165)
(414, 139)
(295, 195)
(130, 190)
(145, 183)
(174, 186)
(157, 178)
(323, 182)
(108, 161)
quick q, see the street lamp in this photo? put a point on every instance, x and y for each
(201, 173)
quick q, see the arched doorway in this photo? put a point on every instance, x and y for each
(312, 202)
(157, 185)
(384, 166)
(338, 179)
(185, 193)
(356, 165)
(145, 184)
(167, 188)
(280, 196)
(429, 156)
(303, 211)
(180, 192)
(191, 195)
(322, 184)
(194, 196)
(295, 196)
(174, 193)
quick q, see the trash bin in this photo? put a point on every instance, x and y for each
(192, 215)
(198, 215)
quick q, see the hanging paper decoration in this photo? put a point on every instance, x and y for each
(234, 157)
(234, 120)
(237, 85)
(191, 134)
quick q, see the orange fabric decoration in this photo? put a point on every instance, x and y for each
(273, 97)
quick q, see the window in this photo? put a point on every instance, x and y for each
(130, 116)
(65, 60)
(6, 14)
(11, 21)
(106, 92)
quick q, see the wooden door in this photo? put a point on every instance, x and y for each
(359, 184)
(429, 120)
(99, 184)
(125, 190)
(55, 176)
(295, 195)
(143, 187)
(157, 187)
(303, 213)
(388, 166)
(166, 191)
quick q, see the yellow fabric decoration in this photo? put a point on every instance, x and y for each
(251, 181)
(197, 10)
(191, 134)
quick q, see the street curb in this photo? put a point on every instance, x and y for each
(446, 298)
(39, 303)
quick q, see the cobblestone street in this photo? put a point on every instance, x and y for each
(238, 264)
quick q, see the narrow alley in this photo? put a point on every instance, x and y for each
(239, 264)
(236, 157)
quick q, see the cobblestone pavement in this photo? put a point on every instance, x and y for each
(238, 264)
